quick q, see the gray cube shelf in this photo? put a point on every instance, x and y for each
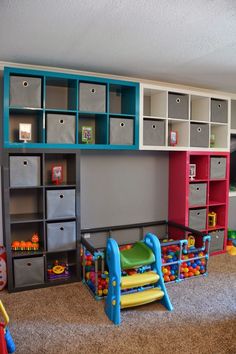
(35, 204)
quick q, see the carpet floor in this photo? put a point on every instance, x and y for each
(66, 319)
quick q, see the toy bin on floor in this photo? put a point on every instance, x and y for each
(185, 252)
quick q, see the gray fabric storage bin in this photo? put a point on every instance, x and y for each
(197, 194)
(24, 171)
(121, 131)
(153, 132)
(217, 240)
(199, 135)
(92, 97)
(219, 111)
(60, 203)
(25, 91)
(197, 219)
(61, 236)
(218, 167)
(28, 271)
(177, 105)
(60, 129)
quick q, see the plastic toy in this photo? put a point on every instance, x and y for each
(32, 245)
(191, 241)
(3, 268)
(231, 242)
(7, 344)
(94, 273)
(173, 138)
(58, 270)
(212, 217)
(57, 174)
(137, 289)
(192, 171)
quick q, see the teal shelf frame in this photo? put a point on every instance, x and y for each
(44, 75)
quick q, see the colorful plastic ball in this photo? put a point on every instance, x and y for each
(166, 278)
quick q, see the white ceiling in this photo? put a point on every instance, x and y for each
(190, 42)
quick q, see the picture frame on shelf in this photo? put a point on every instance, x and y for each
(173, 138)
(57, 174)
(87, 135)
(25, 132)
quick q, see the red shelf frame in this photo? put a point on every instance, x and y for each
(217, 189)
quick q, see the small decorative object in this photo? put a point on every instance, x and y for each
(173, 138)
(212, 140)
(57, 174)
(191, 241)
(87, 135)
(192, 171)
(32, 245)
(58, 270)
(25, 132)
(212, 219)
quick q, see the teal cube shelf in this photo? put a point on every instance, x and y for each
(30, 96)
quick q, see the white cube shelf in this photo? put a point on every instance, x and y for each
(159, 102)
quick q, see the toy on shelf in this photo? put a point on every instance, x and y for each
(57, 174)
(7, 344)
(192, 171)
(173, 138)
(58, 270)
(87, 135)
(32, 245)
(231, 242)
(212, 218)
(3, 268)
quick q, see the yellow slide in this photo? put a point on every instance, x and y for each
(141, 297)
(140, 279)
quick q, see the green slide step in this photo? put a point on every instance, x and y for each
(137, 256)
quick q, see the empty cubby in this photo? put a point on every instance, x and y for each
(32, 117)
(68, 164)
(60, 94)
(217, 192)
(154, 103)
(92, 129)
(200, 108)
(26, 204)
(121, 99)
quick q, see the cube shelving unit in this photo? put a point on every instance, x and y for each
(192, 199)
(58, 105)
(200, 121)
(34, 204)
